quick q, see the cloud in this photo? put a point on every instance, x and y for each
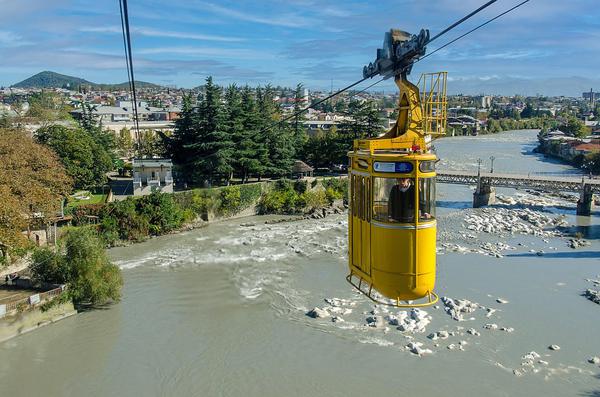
(319, 48)
(228, 53)
(285, 20)
(10, 39)
(162, 33)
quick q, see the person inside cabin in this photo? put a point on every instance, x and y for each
(402, 202)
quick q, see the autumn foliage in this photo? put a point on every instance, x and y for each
(32, 182)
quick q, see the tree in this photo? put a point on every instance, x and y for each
(82, 263)
(299, 130)
(47, 107)
(201, 145)
(85, 160)
(575, 127)
(527, 112)
(278, 138)
(33, 182)
(251, 152)
(124, 143)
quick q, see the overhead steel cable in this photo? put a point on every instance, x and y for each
(472, 30)
(452, 41)
(446, 30)
(455, 24)
(129, 57)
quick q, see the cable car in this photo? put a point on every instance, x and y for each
(392, 223)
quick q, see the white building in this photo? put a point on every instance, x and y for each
(152, 175)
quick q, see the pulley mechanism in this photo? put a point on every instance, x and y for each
(400, 51)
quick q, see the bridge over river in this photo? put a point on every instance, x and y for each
(487, 181)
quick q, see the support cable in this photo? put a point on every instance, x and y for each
(296, 114)
(128, 55)
(472, 30)
(455, 24)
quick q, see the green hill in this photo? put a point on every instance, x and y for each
(49, 79)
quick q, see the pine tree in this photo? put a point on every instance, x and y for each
(278, 138)
(252, 154)
(213, 147)
(185, 134)
(299, 130)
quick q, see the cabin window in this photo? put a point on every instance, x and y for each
(426, 199)
(394, 200)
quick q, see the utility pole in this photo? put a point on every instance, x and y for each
(492, 168)
(479, 161)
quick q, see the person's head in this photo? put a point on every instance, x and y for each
(403, 182)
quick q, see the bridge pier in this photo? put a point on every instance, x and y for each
(485, 194)
(584, 204)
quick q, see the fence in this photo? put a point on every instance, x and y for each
(31, 301)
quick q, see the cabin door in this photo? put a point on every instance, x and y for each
(361, 228)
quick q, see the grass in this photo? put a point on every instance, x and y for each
(93, 199)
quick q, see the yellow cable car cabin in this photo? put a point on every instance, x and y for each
(392, 223)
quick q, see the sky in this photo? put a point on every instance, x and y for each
(318, 43)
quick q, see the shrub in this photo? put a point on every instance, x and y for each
(82, 263)
(314, 199)
(121, 218)
(332, 195)
(162, 212)
(231, 200)
(249, 194)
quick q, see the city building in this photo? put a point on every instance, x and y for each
(152, 175)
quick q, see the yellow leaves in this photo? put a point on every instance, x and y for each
(32, 180)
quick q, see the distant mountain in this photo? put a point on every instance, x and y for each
(49, 79)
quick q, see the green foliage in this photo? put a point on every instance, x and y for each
(49, 267)
(216, 138)
(313, 199)
(201, 146)
(162, 213)
(121, 221)
(337, 188)
(287, 197)
(574, 127)
(231, 200)
(249, 194)
(82, 263)
(85, 158)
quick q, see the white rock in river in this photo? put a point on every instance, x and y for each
(554, 347)
(500, 300)
(507, 329)
(337, 319)
(491, 326)
(530, 356)
(594, 360)
(473, 332)
(317, 313)
(416, 348)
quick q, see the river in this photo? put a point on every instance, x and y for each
(220, 311)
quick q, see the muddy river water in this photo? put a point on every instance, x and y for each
(221, 311)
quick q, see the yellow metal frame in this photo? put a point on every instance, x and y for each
(429, 296)
(432, 87)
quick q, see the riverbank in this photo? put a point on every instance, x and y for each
(232, 298)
